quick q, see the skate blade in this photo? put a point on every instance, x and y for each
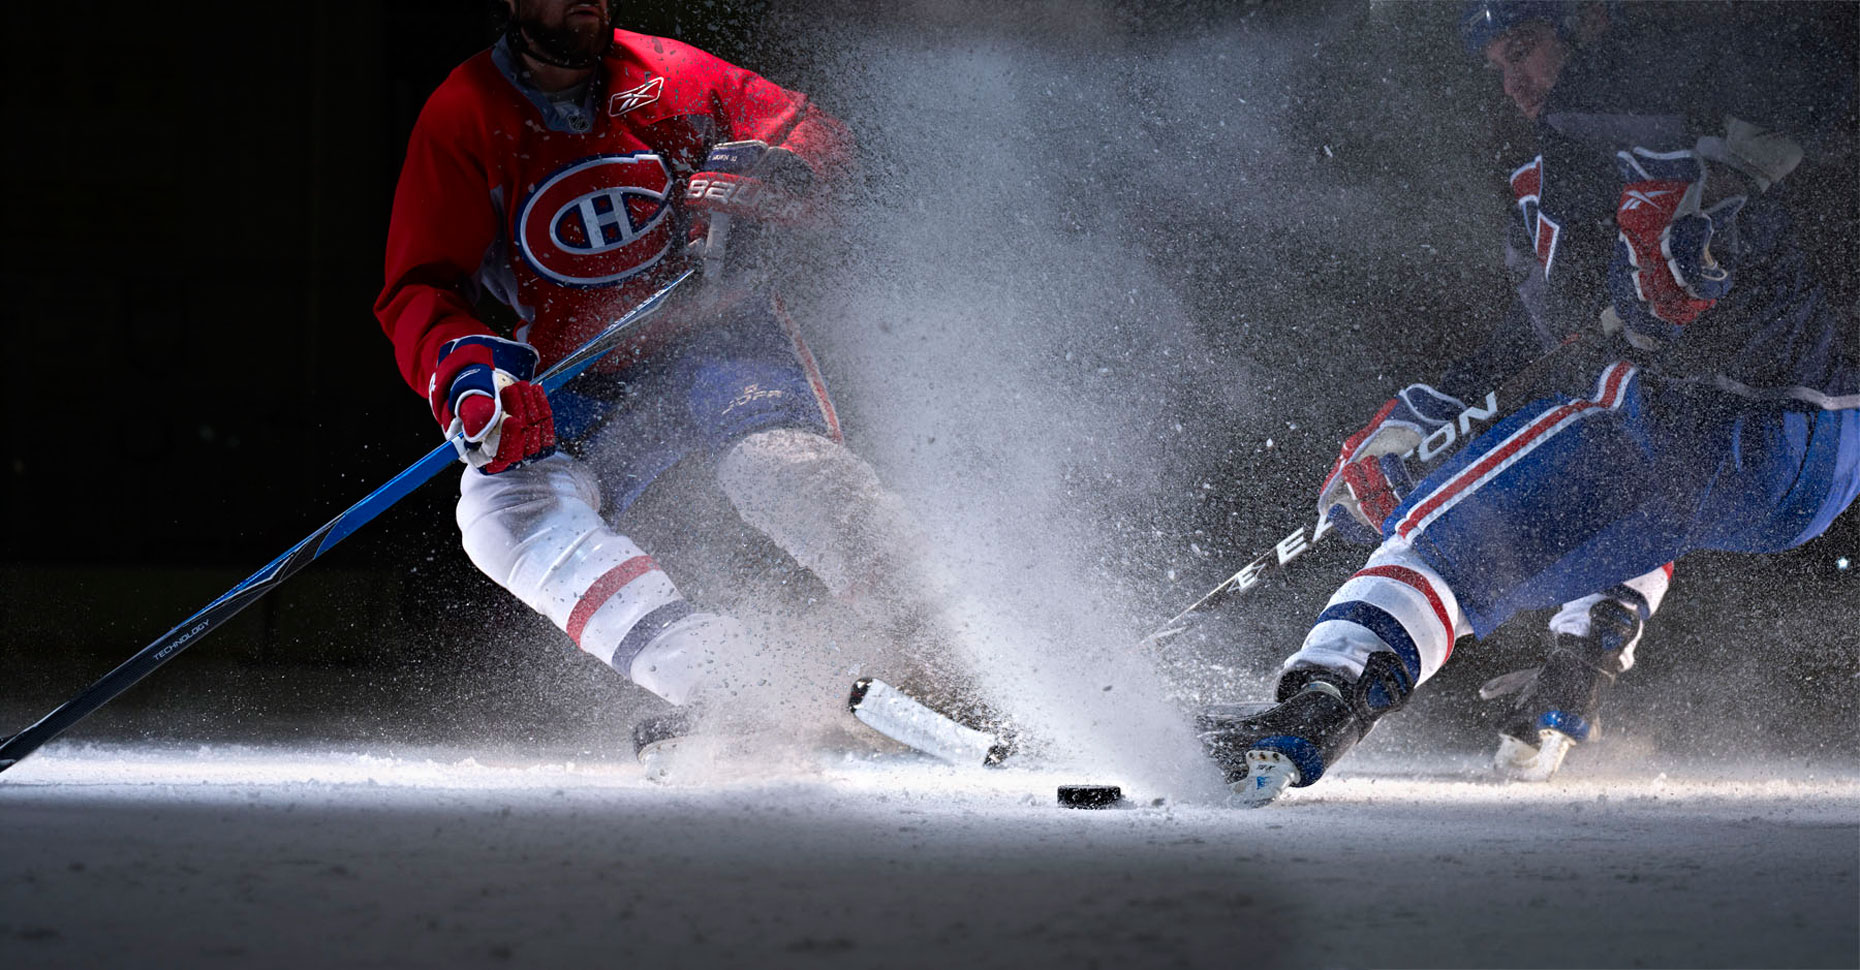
(703, 758)
(1510, 683)
(1268, 775)
(658, 757)
(1518, 761)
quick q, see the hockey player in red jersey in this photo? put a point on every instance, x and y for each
(567, 172)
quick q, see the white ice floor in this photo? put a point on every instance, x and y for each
(225, 856)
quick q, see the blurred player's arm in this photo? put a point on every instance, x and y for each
(442, 225)
(809, 153)
(1370, 476)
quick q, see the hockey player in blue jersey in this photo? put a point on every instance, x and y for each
(1692, 192)
(1592, 639)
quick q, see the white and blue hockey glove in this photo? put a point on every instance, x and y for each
(481, 387)
(1370, 476)
(1664, 274)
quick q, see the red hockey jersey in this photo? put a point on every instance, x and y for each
(569, 213)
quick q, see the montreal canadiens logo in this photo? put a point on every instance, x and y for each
(599, 220)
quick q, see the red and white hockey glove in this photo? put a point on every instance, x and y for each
(1663, 274)
(481, 387)
(1369, 477)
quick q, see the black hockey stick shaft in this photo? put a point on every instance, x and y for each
(170, 644)
(1522, 387)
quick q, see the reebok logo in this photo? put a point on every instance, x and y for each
(1637, 198)
(638, 97)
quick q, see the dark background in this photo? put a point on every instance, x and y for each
(192, 247)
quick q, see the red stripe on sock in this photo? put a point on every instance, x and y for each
(604, 588)
(1403, 574)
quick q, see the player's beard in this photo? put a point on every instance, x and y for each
(571, 45)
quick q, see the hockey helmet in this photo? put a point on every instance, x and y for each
(520, 44)
(1482, 21)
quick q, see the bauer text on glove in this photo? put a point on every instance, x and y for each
(748, 179)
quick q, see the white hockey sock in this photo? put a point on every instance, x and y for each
(684, 657)
(537, 531)
(1395, 603)
(1642, 594)
(826, 507)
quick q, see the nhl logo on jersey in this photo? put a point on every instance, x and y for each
(598, 220)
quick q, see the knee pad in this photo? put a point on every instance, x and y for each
(503, 517)
(824, 506)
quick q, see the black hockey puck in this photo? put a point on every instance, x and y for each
(1090, 796)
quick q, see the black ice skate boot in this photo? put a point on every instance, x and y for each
(1320, 716)
(1561, 706)
(653, 733)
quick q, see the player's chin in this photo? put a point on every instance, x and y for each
(587, 19)
(591, 37)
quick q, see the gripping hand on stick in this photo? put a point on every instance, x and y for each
(481, 387)
(1664, 274)
(748, 179)
(743, 180)
(1370, 476)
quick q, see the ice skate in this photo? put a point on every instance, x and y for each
(657, 738)
(1520, 760)
(1559, 705)
(723, 738)
(1320, 716)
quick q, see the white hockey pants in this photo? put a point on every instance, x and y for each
(538, 531)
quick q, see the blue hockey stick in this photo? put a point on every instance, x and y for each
(190, 630)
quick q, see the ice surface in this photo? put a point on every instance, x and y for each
(1074, 312)
(271, 856)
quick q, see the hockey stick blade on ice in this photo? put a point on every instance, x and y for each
(898, 716)
(1526, 385)
(190, 630)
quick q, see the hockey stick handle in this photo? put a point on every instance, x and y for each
(715, 241)
(1526, 385)
(169, 645)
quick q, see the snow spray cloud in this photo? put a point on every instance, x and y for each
(1086, 226)
(1015, 339)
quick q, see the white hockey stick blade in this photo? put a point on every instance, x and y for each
(894, 714)
(1510, 683)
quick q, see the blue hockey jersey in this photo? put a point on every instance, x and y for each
(1663, 82)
